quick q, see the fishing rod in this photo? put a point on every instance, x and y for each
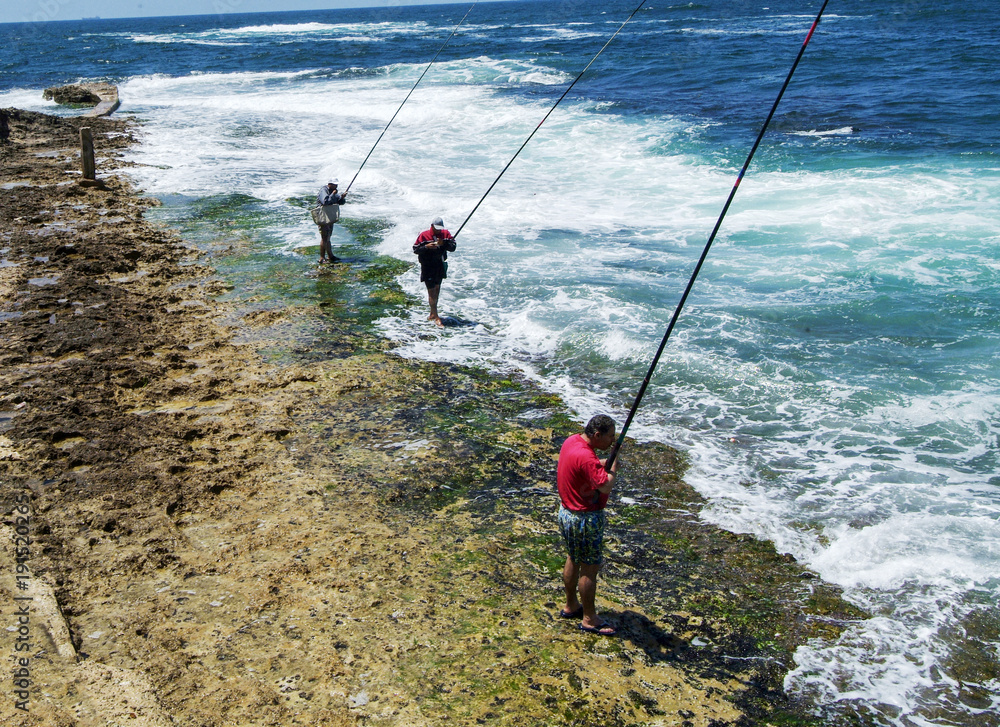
(568, 89)
(408, 95)
(711, 238)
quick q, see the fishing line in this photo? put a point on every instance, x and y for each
(568, 89)
(409, 94)
(677, 311)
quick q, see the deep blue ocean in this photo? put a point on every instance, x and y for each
(834, 376)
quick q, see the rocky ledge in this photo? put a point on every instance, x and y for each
(102, 96)
(203, 538)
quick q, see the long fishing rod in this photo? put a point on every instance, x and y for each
(568, 89)
(677, 311)
(409, 94)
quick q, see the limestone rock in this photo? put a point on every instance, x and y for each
(72, 95)
(102, 96)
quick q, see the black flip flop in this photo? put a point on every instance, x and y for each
(605, 629)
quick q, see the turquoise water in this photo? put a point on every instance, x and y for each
(834, 376)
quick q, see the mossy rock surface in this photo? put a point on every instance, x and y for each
(249, 510)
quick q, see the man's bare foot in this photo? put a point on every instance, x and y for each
(601, 629)
(431, 317)
(572, 612)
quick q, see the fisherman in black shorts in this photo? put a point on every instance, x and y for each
(432, 248)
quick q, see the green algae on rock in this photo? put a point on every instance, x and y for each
(254, 513)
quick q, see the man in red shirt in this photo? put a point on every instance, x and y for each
(432, 248)
(584, 486)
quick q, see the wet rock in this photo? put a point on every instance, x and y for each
(282, 543)
(71, 95)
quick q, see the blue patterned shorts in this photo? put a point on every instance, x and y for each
(583, 533)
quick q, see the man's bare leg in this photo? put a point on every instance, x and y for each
(582, 578)
(587, 585)
(432, 298)
(325, 249)
(571, 576)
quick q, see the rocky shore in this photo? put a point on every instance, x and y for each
(196, 536)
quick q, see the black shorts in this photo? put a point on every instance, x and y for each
(433, 283)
